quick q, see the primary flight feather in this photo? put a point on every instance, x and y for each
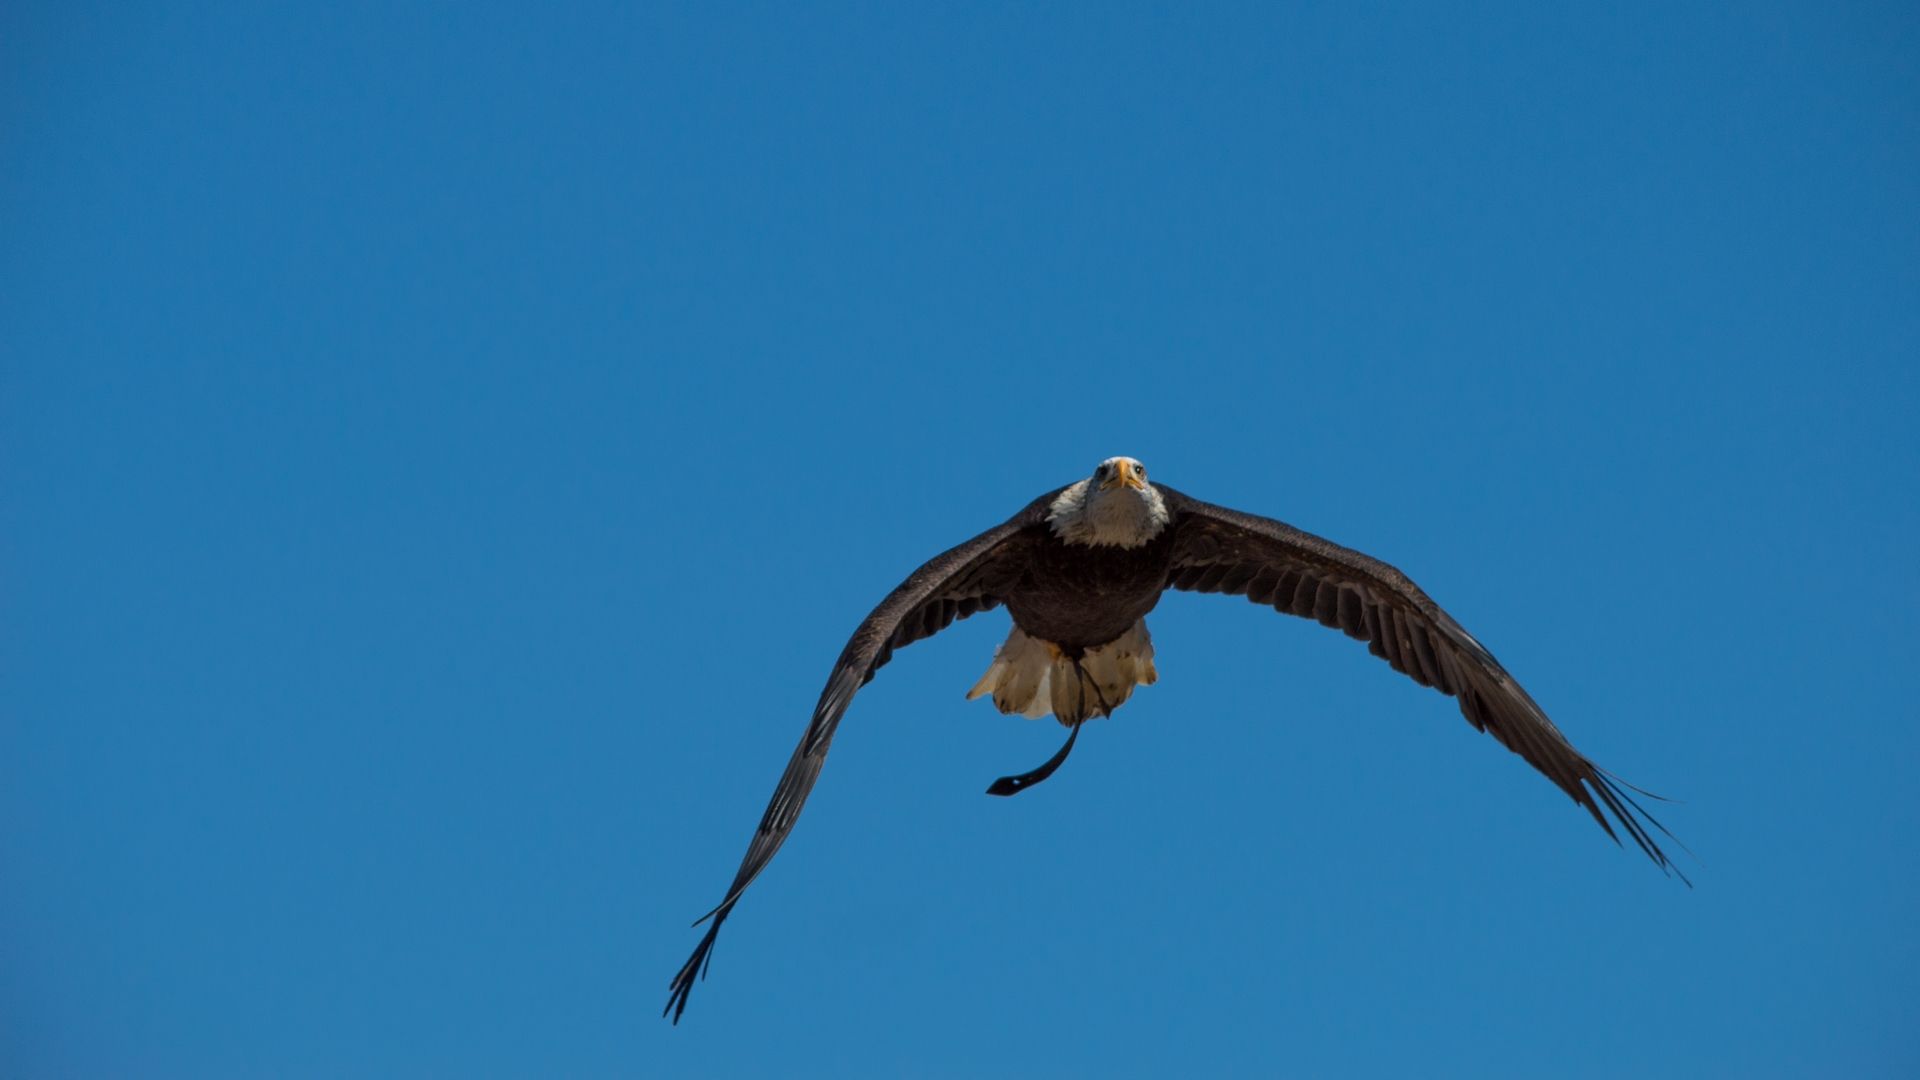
(1080, 567)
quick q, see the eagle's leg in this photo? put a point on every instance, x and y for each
(1013, 785)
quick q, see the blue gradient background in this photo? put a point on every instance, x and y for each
(444, 450)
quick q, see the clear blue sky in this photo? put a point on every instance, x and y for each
(444, 451)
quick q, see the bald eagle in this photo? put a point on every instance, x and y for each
(1080, 568)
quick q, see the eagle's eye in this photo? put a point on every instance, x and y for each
(1139, 470)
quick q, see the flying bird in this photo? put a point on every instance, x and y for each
(1080, 568)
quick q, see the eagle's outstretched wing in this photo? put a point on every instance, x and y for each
(1269, 562)
(952, 585)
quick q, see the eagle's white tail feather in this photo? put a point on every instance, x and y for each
(1042, 699)
(1033, 678)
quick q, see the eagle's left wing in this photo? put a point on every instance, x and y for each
(1271, 563)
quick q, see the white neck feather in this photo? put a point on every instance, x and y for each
(1121, 517)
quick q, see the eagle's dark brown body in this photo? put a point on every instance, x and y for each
(1078, 597)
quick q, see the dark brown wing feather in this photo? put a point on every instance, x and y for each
(1272, 563)
(952, 585)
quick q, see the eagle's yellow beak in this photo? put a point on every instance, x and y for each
(1126, 473)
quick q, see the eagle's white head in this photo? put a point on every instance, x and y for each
(1114, 506)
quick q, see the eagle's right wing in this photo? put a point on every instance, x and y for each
(952, 585)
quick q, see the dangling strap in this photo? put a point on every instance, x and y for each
(1013, 785)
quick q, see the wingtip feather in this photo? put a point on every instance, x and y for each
(694, 970)
(1631, 815)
